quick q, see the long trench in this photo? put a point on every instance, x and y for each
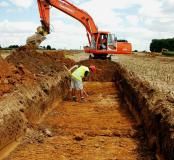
(100, 128)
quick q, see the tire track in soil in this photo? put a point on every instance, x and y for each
(99, 129)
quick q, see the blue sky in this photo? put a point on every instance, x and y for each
(138, 21)
(14, 12)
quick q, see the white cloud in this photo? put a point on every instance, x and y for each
(22, 3)
(66, 35)
(15, 32)
(150, 21)
(15, 27)
(168, 6)
(75, 2)
(132, 20)
(3, 4)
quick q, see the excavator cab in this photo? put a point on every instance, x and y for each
(102, 44)
(107, 44)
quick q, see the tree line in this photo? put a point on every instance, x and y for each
(158, 44)
(48, 47)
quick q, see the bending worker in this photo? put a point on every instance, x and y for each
(77, 74)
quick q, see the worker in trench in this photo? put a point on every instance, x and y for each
(78, 74)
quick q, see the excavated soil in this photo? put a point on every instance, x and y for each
(105, 70)
(32, 87)
(39, 63)
(10, 75)
(27, 67)
(99, 128)
(30, 84)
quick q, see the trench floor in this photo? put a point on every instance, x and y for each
(101, 128)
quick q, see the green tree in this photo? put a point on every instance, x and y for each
(158, 44)
(13, 46)
(48, 47)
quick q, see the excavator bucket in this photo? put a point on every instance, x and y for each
(35, 40)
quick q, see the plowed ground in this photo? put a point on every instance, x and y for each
(101, 128)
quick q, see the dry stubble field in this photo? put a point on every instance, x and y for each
(157, 70)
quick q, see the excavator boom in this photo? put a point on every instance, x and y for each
(68, 8)
(100, 43)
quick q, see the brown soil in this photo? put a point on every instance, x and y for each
(27, 67)
(29, 86)
(100, 128)
(39, 63)
(10, 76)
(105, 70)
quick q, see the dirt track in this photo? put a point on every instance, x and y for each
(100, 128)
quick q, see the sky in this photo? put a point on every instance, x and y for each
(138, 21)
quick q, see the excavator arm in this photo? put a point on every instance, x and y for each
(68, 8)
(97, 46)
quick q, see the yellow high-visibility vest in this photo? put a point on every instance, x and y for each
(80, 72)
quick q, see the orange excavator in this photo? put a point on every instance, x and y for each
(101, 43)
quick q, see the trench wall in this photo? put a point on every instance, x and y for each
(152, 109)
(23, 108)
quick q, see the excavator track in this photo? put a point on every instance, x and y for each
(99, 128)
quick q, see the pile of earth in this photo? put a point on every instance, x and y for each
(39, 63)
(11, 76)
(31, 82)
(105, 69)
(27, 67)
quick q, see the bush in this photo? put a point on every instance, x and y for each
(48, 47)
(158, 44)
(13, 46)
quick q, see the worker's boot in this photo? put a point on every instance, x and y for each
(74, 98)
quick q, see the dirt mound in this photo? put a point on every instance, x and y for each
(59, 57)
(39, 63)
(26, 66)
(4, 73)
(11, 75)
(34, 61)
(105, 70)
(33, 83)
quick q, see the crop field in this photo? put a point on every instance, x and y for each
(157, 70)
